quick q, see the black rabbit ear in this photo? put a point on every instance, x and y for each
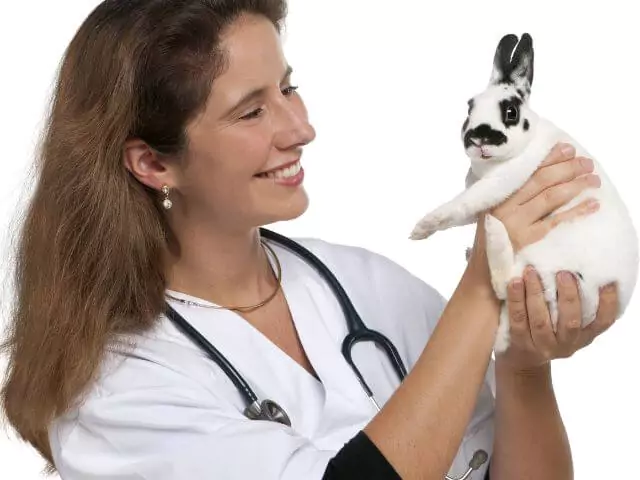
(502, 58)
(522, 64)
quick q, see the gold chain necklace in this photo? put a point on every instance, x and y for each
(242, 309)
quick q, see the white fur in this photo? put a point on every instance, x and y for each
(602, 246)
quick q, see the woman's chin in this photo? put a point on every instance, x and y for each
(294, 207)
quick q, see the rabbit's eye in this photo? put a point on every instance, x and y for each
(510, 111)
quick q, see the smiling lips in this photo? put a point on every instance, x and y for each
(291, 174)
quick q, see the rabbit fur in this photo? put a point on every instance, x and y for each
(506, 142)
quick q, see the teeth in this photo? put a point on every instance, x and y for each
(285, 172)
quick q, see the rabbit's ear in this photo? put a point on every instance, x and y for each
(522, 64)
(502, 58)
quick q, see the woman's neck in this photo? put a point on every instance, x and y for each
(226, 269)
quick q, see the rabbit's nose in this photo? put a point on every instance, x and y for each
(472, 139)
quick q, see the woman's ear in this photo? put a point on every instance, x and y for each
(146, 165)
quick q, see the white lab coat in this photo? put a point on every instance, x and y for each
(164, 411)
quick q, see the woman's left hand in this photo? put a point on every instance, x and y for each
(533, 343)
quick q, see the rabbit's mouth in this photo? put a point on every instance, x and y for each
(484, 154)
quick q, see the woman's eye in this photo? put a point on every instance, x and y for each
(253, 114)
(258, 111)
(289, 90)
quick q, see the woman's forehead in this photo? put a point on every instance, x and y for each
(253, 59)
(253, 51)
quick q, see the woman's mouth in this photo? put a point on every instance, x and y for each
(291, 175)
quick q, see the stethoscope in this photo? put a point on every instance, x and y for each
(358, 332)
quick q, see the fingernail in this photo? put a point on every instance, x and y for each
(530, 272)
(516, 283)
(587, 164)
(610, 287)
(594, 180)
(567, 150)
(566, 278)
(593, 205)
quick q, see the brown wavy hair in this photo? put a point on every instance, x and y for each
(89, 255)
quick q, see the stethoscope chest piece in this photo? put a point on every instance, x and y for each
(267, 410)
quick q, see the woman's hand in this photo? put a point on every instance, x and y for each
(533, 343)
(560, 178)
(527, 214)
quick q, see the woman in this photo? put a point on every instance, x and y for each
(174, 134)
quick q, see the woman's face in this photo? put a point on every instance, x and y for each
(254, 122)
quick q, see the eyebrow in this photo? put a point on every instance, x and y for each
(255, 93)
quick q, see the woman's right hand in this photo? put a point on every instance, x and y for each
(560, 178)
(527, 214)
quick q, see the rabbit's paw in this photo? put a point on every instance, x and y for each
(430, 224)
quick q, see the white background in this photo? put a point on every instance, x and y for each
(386, 88)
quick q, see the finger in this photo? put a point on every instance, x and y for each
(519, 329)
(542, 334)
(553, 174)
(584, 208)
(561, 152)
(606, 315)
(569, 312)
(557, 196)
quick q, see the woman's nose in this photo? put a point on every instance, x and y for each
(293, 127)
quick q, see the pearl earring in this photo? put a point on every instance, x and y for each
(166, 203)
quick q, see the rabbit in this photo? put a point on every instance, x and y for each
(506, 141)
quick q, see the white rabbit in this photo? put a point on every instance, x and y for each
(506, 142)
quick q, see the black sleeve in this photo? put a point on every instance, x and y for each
(488, 476)
(360, 458)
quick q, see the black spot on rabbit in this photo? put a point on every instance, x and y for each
(483, 134)
(510, 111)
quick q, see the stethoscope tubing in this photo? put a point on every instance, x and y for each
(243, 387)
(354, 322)
(358, 331)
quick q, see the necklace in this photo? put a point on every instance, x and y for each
(249, 308)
